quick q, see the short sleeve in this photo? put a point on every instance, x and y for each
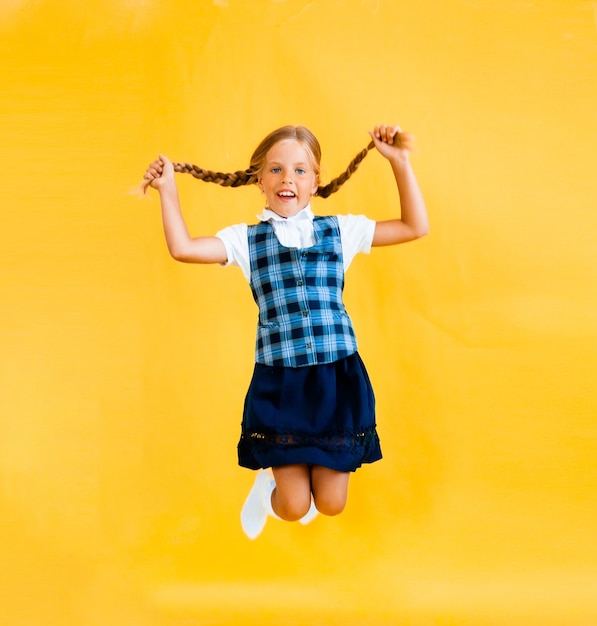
(237, 247)
(356, 232)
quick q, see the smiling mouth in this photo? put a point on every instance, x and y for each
(286, 194)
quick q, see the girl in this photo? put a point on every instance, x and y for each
(309, 413)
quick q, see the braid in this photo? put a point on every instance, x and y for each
(250, 176)
(233, 179)
(401, 140)
(334, 185)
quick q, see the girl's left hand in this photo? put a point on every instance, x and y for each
(391, 141)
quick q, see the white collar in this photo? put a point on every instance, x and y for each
(269, 215)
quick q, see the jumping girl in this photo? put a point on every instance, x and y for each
(309, 413)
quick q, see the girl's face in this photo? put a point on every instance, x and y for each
(288, 178)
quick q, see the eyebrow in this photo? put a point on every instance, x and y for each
(301, 163)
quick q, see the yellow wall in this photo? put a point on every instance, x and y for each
(123, 373)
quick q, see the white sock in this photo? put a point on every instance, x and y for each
(255, 509)
(267, 498)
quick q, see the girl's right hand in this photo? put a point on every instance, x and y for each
(158, 174)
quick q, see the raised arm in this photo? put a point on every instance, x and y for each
(182, 247)
(413, 222)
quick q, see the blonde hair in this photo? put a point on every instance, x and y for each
(308, 141)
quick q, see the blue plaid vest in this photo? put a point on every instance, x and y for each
(302, 319)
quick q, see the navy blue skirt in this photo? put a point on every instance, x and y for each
(320, 415)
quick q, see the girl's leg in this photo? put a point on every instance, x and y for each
(291, 498)
(330, 489)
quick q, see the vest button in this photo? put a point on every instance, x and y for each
(308, 346)
(299, 283)
(305, 313)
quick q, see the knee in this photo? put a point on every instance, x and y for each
(291, 508)
(330, 504)
(330, 490)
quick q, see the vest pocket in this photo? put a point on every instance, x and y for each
(340, 315)
(266, 325)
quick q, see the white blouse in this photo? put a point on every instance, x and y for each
(356, 234)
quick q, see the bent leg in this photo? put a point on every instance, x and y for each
(291, 498)
(330, 489)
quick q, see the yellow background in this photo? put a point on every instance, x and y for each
(123, 373)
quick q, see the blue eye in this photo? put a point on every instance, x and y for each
(301, 171)
(275, 170)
